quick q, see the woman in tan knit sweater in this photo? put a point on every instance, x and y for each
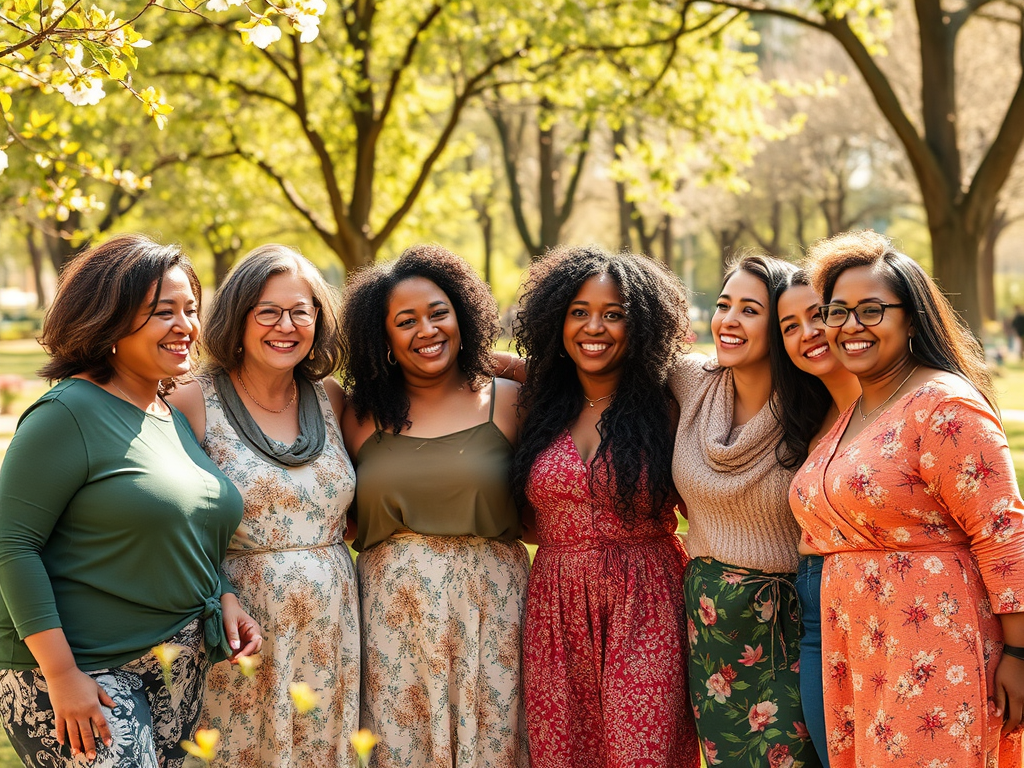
(730, 468)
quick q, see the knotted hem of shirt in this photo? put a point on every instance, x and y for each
(217, 648)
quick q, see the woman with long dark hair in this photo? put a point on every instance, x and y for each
(605, 633)
(732, 467)
(913, 500)
(813, 390)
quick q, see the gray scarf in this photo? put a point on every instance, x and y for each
(312, 431)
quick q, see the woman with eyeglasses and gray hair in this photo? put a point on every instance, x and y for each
(913, 500)
(266, 411)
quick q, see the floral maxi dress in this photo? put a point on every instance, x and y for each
(605, 649)
(922, 525)
(293, 573)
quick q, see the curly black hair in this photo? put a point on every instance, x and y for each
(637, 435)
(377, 388)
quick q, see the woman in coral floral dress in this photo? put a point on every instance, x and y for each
(912, 498)
(605, 648)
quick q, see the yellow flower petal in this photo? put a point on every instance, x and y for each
(166, 653)
(363, 741)
(303, 697)
(248, 665)
(205, 745)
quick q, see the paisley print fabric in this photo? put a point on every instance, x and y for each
(147, 724)
(744, 630)
(292, 571)
(922, 525)
(605, 628)
(442, 651)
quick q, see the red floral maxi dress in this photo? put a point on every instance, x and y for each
(605, 647)
(922, 525)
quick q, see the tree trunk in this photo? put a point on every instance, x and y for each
(987, 263)
(36, 255)
(957, 271)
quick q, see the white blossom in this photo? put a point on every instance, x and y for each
(222, 5)
(263, 35)
(83, 91)
(307, 25)
(3, 161)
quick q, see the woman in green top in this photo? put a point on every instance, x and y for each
(113, 525)
(442, 577)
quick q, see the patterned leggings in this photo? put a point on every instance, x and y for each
(147, 724)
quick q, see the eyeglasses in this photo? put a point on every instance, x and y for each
(269, 315)
(868, 314)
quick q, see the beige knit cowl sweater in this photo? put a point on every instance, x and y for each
(735, 491)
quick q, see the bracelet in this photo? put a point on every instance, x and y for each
(1014, 650)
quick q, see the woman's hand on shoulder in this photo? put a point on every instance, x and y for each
(188, 398)
(507, 413)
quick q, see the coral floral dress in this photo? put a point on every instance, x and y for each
(605, 645)
(922, 525)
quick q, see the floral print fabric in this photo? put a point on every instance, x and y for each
(442, 651)
(147, 724)
(923, 529)
(744, 631)
(605, 629)
(292, 571)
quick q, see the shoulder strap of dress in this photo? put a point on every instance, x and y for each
(494, 389)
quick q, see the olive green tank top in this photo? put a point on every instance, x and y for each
(452, 485)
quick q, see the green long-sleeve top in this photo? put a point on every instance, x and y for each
(113, 525)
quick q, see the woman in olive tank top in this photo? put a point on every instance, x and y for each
(442, 575)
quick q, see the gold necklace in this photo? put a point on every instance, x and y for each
(598, 400)
(860, 400)
(295, 393)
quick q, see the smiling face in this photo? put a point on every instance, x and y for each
(594, 330)
(284, 345)
(879, 348)
(740, 322)
(422, 329)
(803, 332)
(166, 326)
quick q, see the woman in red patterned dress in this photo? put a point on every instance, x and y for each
(912, 499)
(605, 647)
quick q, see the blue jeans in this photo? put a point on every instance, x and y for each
(808, 589)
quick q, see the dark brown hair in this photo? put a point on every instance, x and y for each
(378, 388)
(99, 295)
(221, 342)
(941, 340)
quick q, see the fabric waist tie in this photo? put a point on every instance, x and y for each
(217, 648)
(236, 553)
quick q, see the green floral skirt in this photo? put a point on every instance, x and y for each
(744, 632)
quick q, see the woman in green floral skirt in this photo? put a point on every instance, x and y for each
(732, 467)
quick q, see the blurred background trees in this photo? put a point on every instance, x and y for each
(687, 130)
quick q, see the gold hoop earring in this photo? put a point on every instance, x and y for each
(311, 354)
(391, 359)
(113, 350)
(910, 343)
